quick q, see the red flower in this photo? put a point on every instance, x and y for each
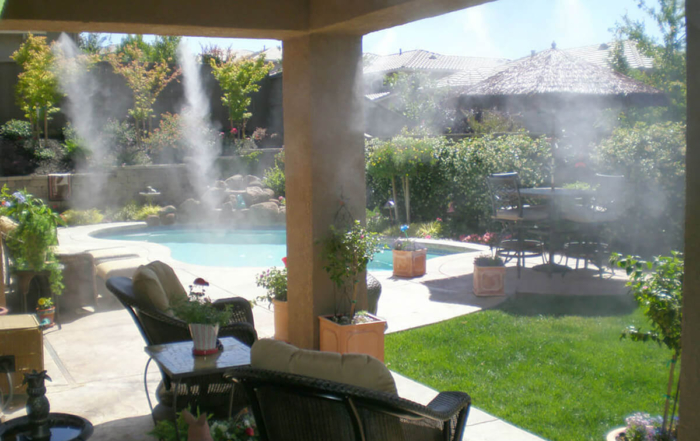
(580, 165)
(439, 219)
(284, 260)
(200, 282)
(234, 130)
(249, 431)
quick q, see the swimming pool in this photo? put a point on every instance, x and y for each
(232, 248)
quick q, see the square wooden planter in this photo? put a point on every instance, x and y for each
(363, 338)
(489, 280)
(409, 263)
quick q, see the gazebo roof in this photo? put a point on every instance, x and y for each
(555, 72)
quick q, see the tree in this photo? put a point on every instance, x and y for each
(238, 79)
(669, 55)
(418, 99)
(164, 48)
(92, 43)
(37, 84)
(146, 80)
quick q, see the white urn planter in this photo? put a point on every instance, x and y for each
(204, 338)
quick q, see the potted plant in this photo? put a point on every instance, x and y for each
(657, 286)
(408, 258)
(204, 321)
(274, 280)
(31, 242)
(489, 276)
(347, 252)
(45, 309)
(642, 427)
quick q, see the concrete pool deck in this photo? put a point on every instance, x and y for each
(97, 360)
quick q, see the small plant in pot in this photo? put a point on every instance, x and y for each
(409, 259)
(204, 321)
(31, 242)
(274, 280)
(489, 276)
(45, 309)
(347, 252)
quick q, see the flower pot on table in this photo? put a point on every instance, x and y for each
(409, 263)
(281, 316)
(47, 313)
(362, 338)
(489, 280)
(204, 338)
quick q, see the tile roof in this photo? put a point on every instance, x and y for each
(429, 61)
(599, 54)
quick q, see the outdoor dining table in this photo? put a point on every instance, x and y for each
(558, 197)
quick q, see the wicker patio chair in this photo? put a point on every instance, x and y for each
(293, 407)
(212, 393)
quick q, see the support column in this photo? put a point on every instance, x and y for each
(324, 160)
(690, 358)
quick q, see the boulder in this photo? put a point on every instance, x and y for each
(214, 197)
(256, 183)
(251, 178)
(189, 210)
(264, 213)
(220, 184)
(236, 182)
(257, 195)
(276, 201)
(169, 209)
(168, 219)
(153, 220)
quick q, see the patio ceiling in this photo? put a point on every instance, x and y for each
(277, 19)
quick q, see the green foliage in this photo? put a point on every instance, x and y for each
(37, 84)
(164, 49)
(652, 159)
(239, 428)
(166, 144)
(201, 311)
(431, 230)
(93, 43)
(274, 177)
(124, 214)
(346, 253)
(238, 79)
(76, 152)
(16, 130)
(488, 260)
(491, 121)
(669, 57)
(122, 141)
(146, 210)
(274, 280)
(455, 172)
(376, 222)
(146, 80)
(31, 243)
(419, 100)
(82, 217)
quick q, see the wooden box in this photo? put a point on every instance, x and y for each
(409, 263)
(21, 336)
(363, 338)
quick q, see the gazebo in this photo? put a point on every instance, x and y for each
(322, 118)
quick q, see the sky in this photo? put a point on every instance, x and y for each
(502, 29)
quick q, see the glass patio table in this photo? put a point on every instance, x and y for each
(558, 198)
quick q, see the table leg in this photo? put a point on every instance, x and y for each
(176, 388)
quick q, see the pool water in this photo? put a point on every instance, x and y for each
(232, 248)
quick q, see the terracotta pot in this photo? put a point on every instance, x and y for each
(489, 280)
(47, 313)
(363, 338)
(281, 320)
(204, 338)
(612, 435)
(409, 263)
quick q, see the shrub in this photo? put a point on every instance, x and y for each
(274, 280)
(76, 151)
(16, 130)
(431, 230)
(120, 138)
(165, 144)
(146, 210)
(652, 159)
(274, 177)
(124, 214)
(82, 217)
(376, 223)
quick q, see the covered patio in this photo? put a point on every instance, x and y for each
(325, 161)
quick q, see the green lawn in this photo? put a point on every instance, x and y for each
(554, 366)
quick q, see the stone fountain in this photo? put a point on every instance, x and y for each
(40, 424)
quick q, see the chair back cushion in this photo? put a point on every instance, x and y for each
(158, 285)
(355, 369)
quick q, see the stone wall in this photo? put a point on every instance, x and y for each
(116, 186)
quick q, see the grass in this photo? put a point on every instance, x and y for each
(554, 366)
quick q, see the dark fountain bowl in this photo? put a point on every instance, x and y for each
(64, 427)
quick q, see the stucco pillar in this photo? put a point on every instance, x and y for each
(689, 410)
(324, 161)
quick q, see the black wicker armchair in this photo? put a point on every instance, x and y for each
(212, 392)
(292, 407)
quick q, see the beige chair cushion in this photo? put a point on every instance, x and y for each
(529, 214)
(157, 284)
(354, 369)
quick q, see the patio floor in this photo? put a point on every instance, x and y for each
(96, 360)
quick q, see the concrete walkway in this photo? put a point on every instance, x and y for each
(97, 360)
